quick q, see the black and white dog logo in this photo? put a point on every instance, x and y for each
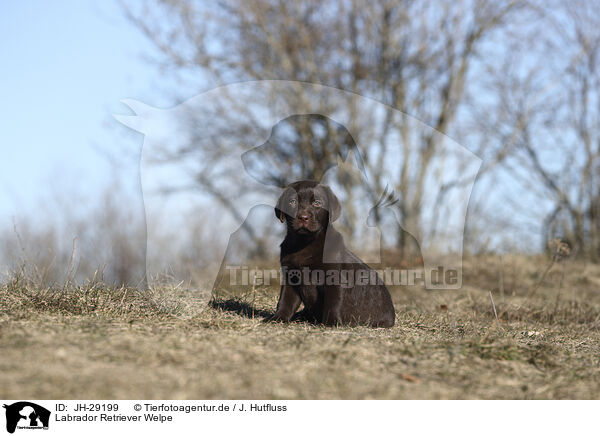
(26, 415)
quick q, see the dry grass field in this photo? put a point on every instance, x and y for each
(97, 342)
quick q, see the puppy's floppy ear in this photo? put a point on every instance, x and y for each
(282, 205)
(333, 204)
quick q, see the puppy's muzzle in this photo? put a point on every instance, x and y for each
(303, 220)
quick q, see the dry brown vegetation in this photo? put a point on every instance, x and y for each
(96, 341)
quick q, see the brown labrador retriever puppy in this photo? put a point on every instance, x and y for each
(334, 285)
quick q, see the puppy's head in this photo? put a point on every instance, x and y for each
(307, 207)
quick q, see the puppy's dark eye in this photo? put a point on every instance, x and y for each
(317, 203)
(292, 202)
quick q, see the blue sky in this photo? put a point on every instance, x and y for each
(65, 67)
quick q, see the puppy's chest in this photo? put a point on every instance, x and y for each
(303, 258)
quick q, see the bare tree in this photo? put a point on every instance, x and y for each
(102, 239)
(418, 57)
(548, 111)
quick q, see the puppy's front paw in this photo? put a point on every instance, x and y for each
(332, 320)
(276, 318)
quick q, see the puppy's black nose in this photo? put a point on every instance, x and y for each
(303, 217)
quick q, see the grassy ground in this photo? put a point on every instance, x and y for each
(97, 342)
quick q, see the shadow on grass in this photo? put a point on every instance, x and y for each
(239, 307)
(247, 310)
